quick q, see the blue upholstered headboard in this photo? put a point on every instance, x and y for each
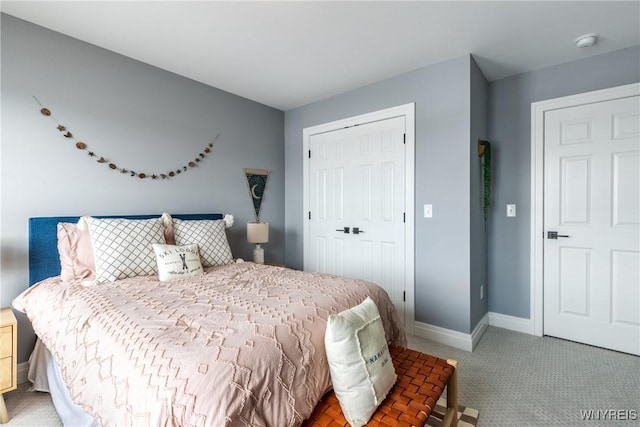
(44, 260)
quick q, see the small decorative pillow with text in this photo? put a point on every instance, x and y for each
(209, 235)
(177, 261)
(361, 369)
(123, 247)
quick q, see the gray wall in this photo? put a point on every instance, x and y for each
(141, 117)
(478, 262)
(145, 117)
(442, 96)
(510, 133)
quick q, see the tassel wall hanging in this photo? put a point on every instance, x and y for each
(257, 182)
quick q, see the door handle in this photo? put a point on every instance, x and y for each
(357, 230)
(345, 230)
(554, 235)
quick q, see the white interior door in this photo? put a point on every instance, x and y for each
(592, 201)
(357, 206)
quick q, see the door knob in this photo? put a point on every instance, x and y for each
(357, 230)
(345, 230)
(554, 235)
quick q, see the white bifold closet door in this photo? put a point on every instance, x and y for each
(356, 201)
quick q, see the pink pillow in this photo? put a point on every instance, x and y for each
(169, 235)
(76, 252)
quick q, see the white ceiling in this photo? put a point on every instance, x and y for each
(287, 54)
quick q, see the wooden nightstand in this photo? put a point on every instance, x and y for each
(8, 357)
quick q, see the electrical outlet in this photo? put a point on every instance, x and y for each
(511, 210)
(482, 292)
(428, 211)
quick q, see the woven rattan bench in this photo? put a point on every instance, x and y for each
(421, 380)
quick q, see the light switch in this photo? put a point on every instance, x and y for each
(511, 210)
(428, 211)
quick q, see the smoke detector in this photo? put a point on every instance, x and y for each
(586, 40)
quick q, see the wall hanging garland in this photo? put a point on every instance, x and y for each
(484, 152)
(113, 166)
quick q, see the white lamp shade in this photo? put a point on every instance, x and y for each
(258, 232)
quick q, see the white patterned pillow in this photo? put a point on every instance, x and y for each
(123, 247)
(209, 235)
(177, 261)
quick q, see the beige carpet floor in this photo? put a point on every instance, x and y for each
(30, 409)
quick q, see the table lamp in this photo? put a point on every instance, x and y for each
(258, 232)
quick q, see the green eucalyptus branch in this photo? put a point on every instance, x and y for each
(486, 180)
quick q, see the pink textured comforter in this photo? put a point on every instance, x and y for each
(240, 345)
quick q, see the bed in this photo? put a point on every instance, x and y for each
(241, 344)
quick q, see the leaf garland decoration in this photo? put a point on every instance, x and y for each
(486, 179)
(80, 145)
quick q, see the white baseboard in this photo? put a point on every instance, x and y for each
(452, 338)
(443, 336)
(479, 331)
(517, 324)
(468, 342)
(23, 372)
